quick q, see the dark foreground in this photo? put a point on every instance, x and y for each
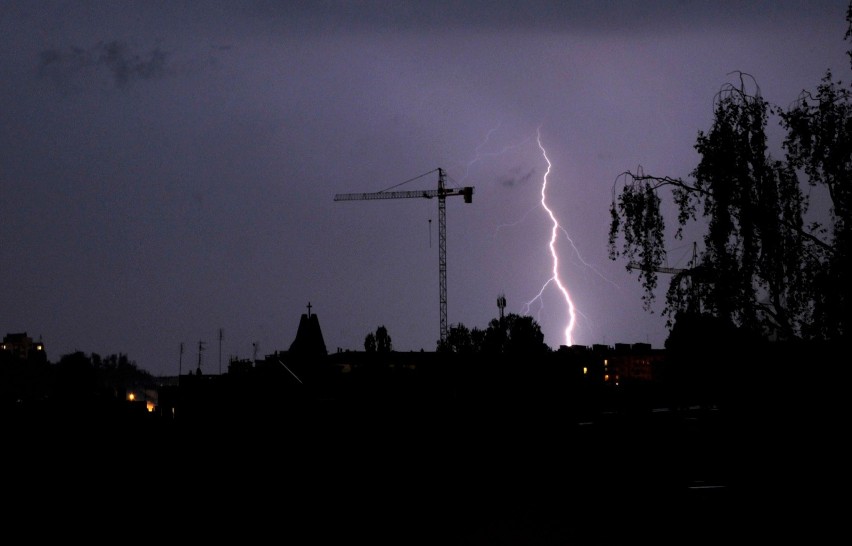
(339, 475)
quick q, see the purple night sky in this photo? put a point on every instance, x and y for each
(168, 168)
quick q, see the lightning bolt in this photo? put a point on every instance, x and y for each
(572, 313)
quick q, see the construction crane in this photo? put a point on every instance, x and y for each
(441, 193)
(671, 270)
(693, 273)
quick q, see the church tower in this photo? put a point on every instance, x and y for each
(309, 341)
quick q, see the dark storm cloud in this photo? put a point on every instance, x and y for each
(115, 58)
(538, 15)
(512, 181)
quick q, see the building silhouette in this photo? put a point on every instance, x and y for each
(21, 347)
(309, 342)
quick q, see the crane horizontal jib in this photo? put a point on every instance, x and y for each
(467, 192)
(670, 270)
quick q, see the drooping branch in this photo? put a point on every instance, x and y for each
(657, 182)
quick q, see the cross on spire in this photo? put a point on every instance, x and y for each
(309, 309)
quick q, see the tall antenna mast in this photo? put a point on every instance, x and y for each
(200, 350)
(180, 360)
(501, 304)
(221, 335)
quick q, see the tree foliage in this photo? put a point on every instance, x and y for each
(383, 340)
(92, 375)
(370, 343)
(380, 341)
(819, 142)
(513, 334)
(765, 267)
(462, 340)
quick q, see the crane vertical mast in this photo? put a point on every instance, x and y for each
(441, 193)
(442, 252)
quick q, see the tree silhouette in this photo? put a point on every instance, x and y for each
(461, 339)
(513, 334)
(383, 340)
(370, 343)
(380, 341)
(819, 142)
(763, 267)
(698, 362)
